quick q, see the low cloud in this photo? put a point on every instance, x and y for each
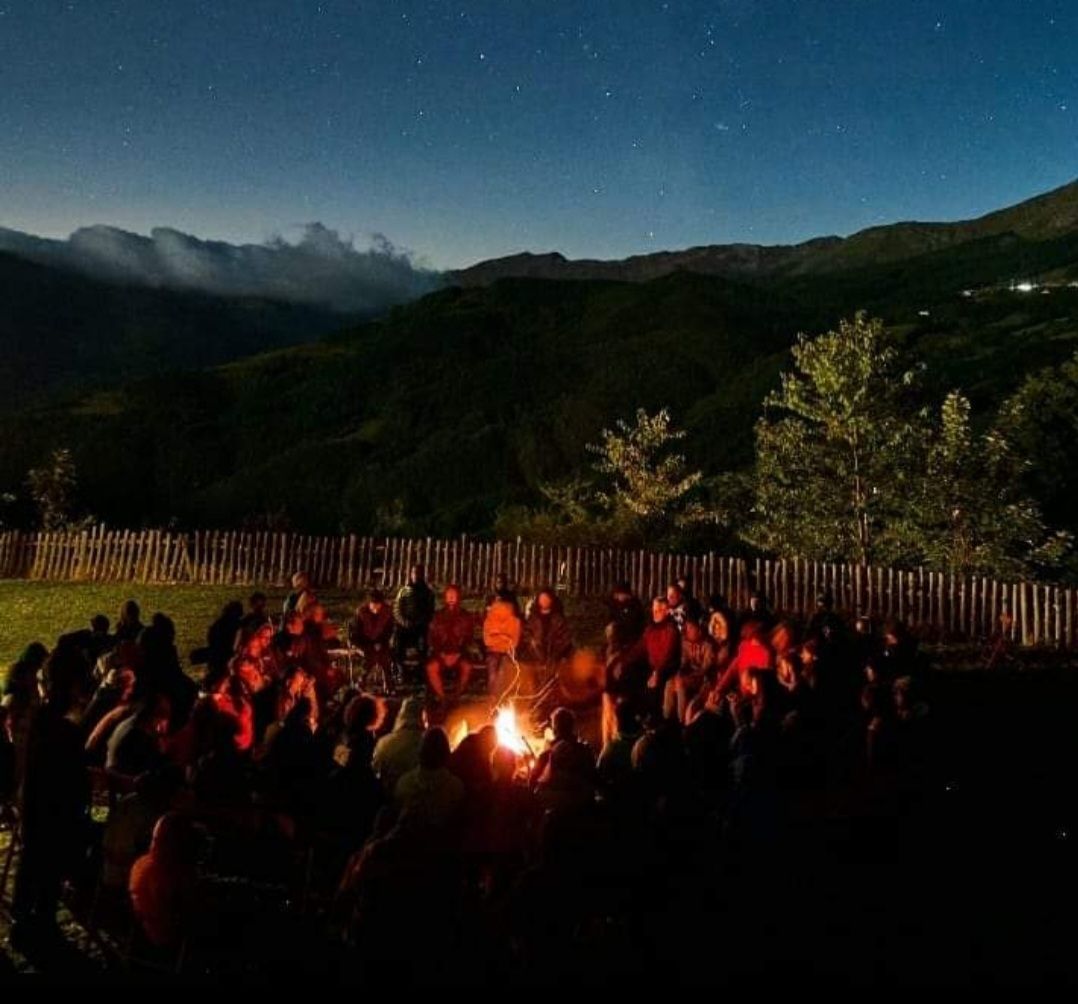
(319, 268)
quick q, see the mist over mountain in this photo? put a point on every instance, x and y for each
(321, 269)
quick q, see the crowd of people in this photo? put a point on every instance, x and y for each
(711, 720)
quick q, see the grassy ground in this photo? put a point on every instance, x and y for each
(41, 611)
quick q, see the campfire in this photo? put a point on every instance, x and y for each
(510, 728)
(509, 732)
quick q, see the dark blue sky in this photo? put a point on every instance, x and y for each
(466, 130)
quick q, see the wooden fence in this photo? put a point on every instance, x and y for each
(938, 602)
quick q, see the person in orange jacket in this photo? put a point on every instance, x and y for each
(502, 629)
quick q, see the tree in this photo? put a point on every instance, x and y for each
(640, 492)
(974, 515)
(1040, 421)
(836, 449)
(646, 484)
(52, 489)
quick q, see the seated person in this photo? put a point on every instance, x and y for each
(547, 639)
(371, 631)
(451, 634)
(502, 628)
(292, 645)
(697, 666)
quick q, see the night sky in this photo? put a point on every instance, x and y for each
(468, 130)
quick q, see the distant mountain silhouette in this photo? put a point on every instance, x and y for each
(1046, 217)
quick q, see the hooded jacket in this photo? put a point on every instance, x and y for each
(398, 753)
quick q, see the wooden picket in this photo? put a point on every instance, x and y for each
(950, 605)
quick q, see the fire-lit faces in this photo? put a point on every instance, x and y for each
(545, 602)
(452, 597)
(259, 641)
(673, 596)
(294, 625)
(660, 609)
(250, 674)
(718, 628)
(692, 631)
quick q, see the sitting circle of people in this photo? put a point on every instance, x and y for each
(280, 736)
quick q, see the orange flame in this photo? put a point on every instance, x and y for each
(509, 734)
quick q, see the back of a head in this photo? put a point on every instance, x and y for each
(434, 749)
(175, 840)
(99, 623)
(233, 610)
(130, 613)
(362, 713)
(299, 580)
(164, 628)
(67, 677)
(563, 723)
(410, 715)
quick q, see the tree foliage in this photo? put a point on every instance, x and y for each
(835, 448)
(52, 489)
(973, 515)
(641, 490)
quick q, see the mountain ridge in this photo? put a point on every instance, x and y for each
(1045, 216)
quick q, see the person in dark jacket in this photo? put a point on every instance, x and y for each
(159, 671)
(547, 639)
(626, 619)
(371, 631)
(257, 615)
(54, 805)
(292, 645)
(221, 637)
(413, 610)
(93, 641)
(130, 625)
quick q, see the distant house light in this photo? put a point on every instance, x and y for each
(967, 292)
(1024, 287)
(923, 313)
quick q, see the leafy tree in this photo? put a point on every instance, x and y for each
(640, 492)
(836, 449)
(973, 514)
(645, 483)
(52, 488)
(1040, 420)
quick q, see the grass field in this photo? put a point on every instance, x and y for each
(41, 611)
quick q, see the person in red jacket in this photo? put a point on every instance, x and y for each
(662, 647)
(450, 636)
(754, 656)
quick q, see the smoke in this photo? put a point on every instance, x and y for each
(321, 268)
